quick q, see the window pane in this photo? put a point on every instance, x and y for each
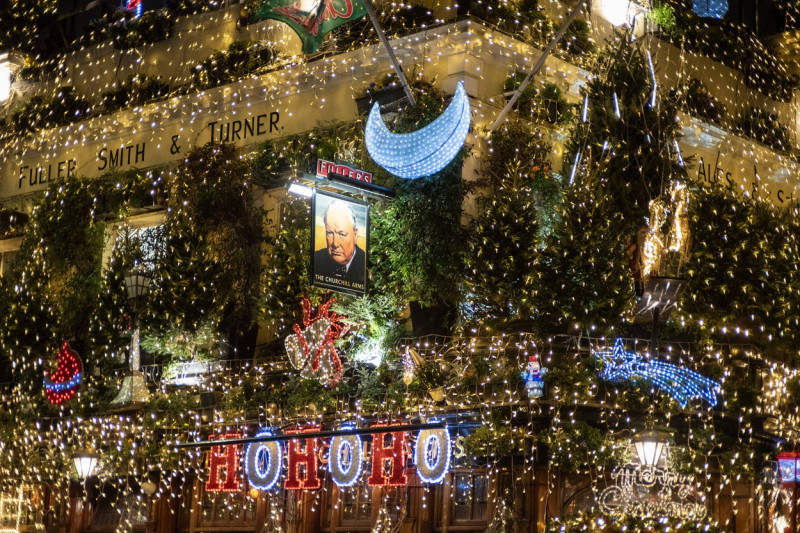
(365, 503)
(463, 497)
(481, 484)
(349, 503)
(220, 507)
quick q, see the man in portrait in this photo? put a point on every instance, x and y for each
(341, 258)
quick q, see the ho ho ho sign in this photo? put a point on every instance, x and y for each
(265, 454)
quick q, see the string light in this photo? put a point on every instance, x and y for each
(476, 390)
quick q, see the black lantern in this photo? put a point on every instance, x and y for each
(137, 282)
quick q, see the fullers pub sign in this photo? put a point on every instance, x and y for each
(345, 454)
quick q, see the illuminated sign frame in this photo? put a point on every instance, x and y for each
(264, 457)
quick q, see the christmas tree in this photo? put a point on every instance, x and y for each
(620, 156)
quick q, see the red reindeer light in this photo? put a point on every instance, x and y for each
(313, 351)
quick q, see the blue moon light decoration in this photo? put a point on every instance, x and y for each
(679, 382)
(713, 9)
(422, 152)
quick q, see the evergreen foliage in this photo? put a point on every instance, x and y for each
(617, 162)
(743, 268)
(583, 279)
(22, 21)
(138, 90)
(241, 59)
(625, 146)
(287, 274)
(65, 107)
(504, 238)
(211, 267)
(578, 446)
(151, 27)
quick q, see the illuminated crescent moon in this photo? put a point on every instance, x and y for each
(422, 152)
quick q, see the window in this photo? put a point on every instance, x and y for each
(462, 501)
(117, 505)
(348, 508)
(28, 506)
(147, 240)
(356, 502)
(228, 509)
(6, 258)
(470, 497)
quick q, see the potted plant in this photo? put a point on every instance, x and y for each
(385, 92)
(433, 378)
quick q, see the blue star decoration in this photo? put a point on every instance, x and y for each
(714, 9)
(681, 383)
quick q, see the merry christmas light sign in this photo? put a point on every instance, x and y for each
(345, 456)
(651, 491)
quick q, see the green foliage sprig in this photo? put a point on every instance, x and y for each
(396, 20)
(304, 395)
(151, 27)
(577, 446)
(30, 70)
(545, 104)
(695, 98)
(137, 90)
(663, 15)
(241, 58)
(573, 382)
(765, 128)
(12, 223)
(495, 442)
(65, 107)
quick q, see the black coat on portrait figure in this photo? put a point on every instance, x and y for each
(325, 265)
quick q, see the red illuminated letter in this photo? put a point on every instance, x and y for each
(395, 452)
(223, 457)
(307, 457)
